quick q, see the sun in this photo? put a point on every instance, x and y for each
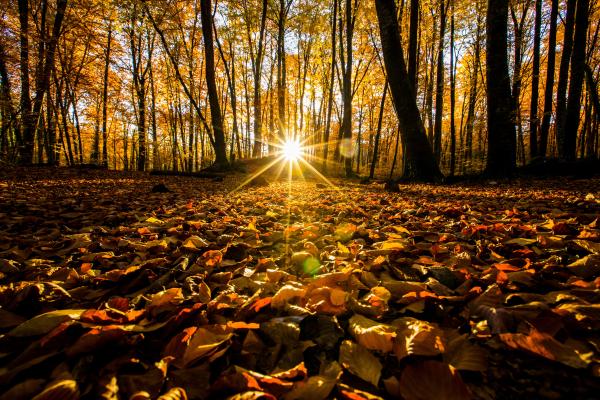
(291, 150)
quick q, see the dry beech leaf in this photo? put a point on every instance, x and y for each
(175, 393)
(64, 390)
(544, 345)
(426, 380)
(316, 387)
(44, 323)
(202, 343)
(285, 294)
(360, 362)
(371, 334)
(462, 354)
(415, 337)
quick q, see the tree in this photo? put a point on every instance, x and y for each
(439, 84)
(535, 82)
(420, 162)
(501, 159)
(563, 78)
(576, 83)
(31, 113)
(549, 91)
(213, 96)
(334, 10)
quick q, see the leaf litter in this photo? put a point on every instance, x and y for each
(112, 290)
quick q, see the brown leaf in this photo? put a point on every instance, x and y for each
(372, 335)
(360, 362)
(415, 337)
(430, 379)
(546, 346)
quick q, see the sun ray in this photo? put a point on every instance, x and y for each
(320, 175)
(257, 174)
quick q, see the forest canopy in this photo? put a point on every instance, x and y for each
(184, 85)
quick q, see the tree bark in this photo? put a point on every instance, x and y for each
(576, 83)
(331, 84)
(501, 160)
(213, 98)
(549, 90)
(473, 95)
(439, 84)
(378, 133)
(105, 96)
(535, 82)
(452, 97)
(412, 44)
(420, 161)
(257, 70)
(563, 77)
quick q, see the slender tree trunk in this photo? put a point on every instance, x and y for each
(412, 44)
(473, 95)
(331, 84)
(52, 151)
(535, 82)
(518, 27)
(439, 96)
(27, 119)
(563, 78)
(155, 156)
(576, 82)
(452, 97)
(105, 96)
(378, 133)
(31, 116)
(420, 161)
(501, 159)
(549, 90)
(257, 69)
(346, 127)
(215, 109)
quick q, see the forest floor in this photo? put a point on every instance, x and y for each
(302, 291)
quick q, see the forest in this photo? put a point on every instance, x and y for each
(293, 199)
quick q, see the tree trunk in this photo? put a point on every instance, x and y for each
(27, 119)
(576, 83)
(452, 98)
(378, 133)
(331, 84)
(213, 99)
(563, 78)
(549, 91)
(439, 84)
(105, 97)
(412, 44)
(501, 159)
(30, 116)
(420, 161)
(535, 82)
(257, 70)
(473, 95)
(346, 127)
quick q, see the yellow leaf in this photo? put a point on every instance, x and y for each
(393, 245)
(343, 249)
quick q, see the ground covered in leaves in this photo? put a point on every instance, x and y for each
(109, 290)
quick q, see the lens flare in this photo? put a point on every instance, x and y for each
(291, 150)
